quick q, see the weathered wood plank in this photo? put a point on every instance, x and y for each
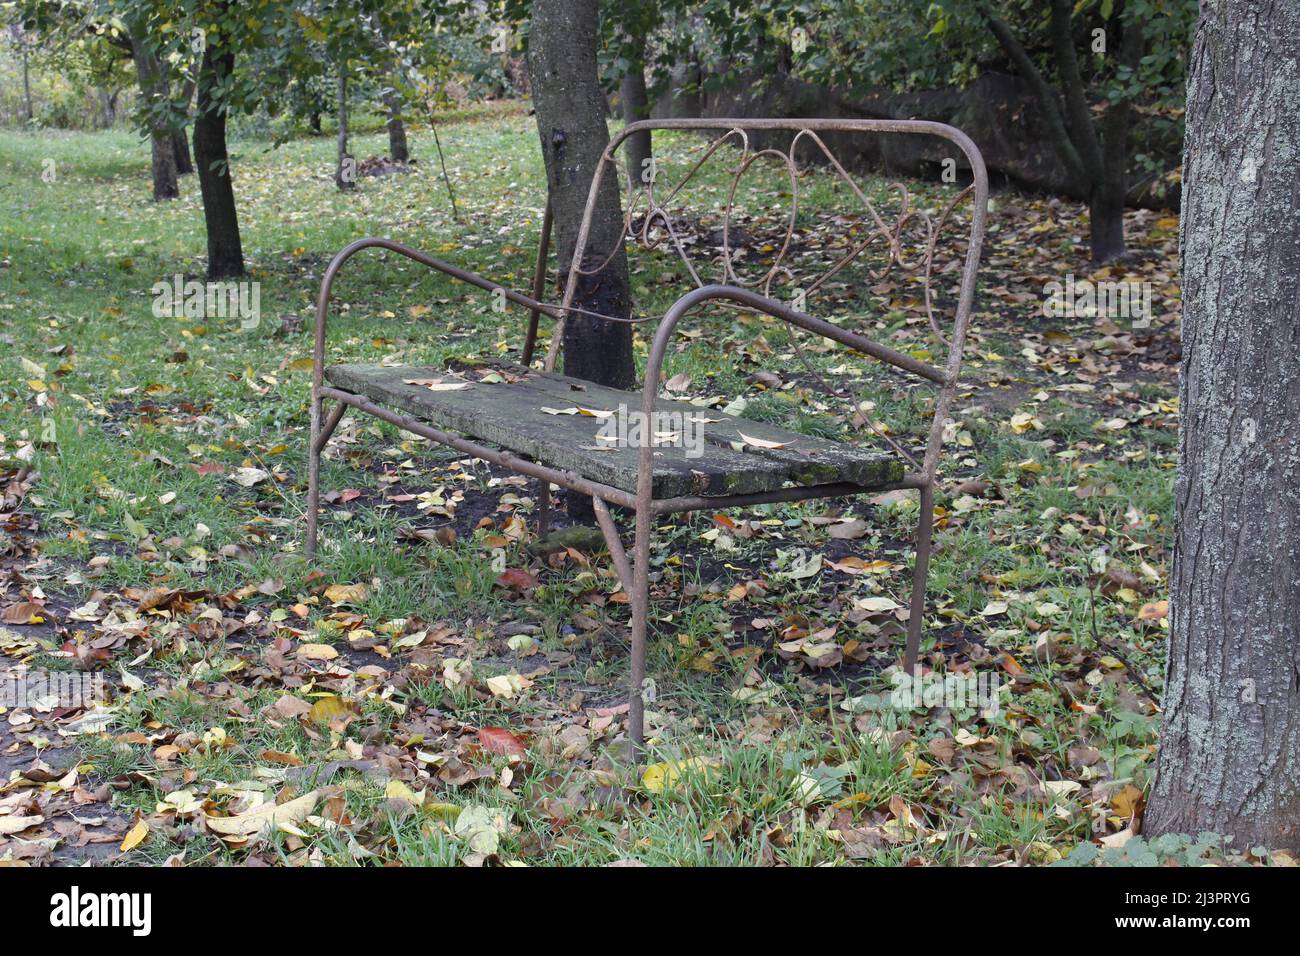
(510, 414)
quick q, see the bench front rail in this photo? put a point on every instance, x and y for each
(634, 572)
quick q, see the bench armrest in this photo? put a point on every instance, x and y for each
(781, 311)
(327, 283)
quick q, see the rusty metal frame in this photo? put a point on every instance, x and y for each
(635, 573)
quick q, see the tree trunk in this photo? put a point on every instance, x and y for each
(1229, 757)
(108, 99)
(570, 110)
(181, 152)
(180, 142)
(27, 86)
(153, 87)
(225, 251)
(636, 106)
(398, 151)
(1106, 221)
(1098, 160)
(345, 175)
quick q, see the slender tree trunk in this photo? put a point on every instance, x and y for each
(1098, 160)
(398, 151)
(1229, 757)
(636, 106)
(212, 162)
(570, 110)
(27, 86)
(180, 142)
(345, 175)
(109, 100)
(153, 87)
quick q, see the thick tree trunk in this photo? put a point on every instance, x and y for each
(398, 151)
(345, 172)
(636, 106)
(153, 87)
(571, 123)
(225, 251)
(1106, 221)
(1229, 757)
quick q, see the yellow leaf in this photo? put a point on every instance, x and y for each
(443, 811)
(135, 836)
(396, 790)
(660, 776)
(317, 652)
(346, 593)
(1021, 422)
(326, 709)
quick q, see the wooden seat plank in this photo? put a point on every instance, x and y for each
(510, 413)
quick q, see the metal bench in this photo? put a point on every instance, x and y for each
(548, 426)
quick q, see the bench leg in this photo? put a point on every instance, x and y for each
(543, 507)
(320, 435)
(920, 572)
(640, 596)
(636, 582)
(614, 541)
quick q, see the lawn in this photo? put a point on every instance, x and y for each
(405, 701)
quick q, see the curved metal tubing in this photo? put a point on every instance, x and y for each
(319, 435)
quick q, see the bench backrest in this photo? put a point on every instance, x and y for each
(898, 239)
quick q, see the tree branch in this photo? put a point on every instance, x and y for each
(1042, 91)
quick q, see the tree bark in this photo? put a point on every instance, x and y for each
(570, 109)
(1229, 756)
(225, 251)
(180, 142)
(636, 106)
(398, 150)
(345, 171)
(1098, 159)
(27, 85)
(108, 99)
(153, 87)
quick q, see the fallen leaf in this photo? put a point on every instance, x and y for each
(135, 836)
(248, 477)
(264, 819)
(498, 740)
(762, 442)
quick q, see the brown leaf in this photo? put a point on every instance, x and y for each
(517, 579)
(20, 613)
(498, 740)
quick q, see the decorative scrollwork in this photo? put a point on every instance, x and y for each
(905, 239)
